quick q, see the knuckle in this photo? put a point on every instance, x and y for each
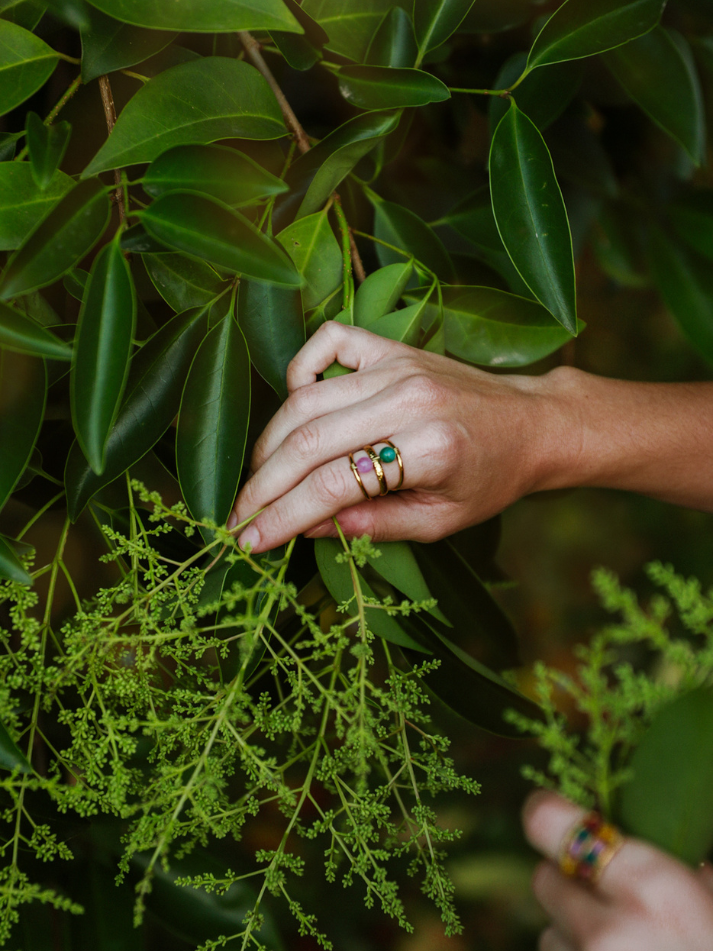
(301, 402)
(330, 485)
(305, 442)
(423, 390)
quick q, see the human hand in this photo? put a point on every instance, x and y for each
(644, 900)
(472, 442)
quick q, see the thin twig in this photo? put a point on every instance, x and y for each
(359, 271)
(110, 116)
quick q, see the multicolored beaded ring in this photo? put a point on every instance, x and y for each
(589, 848)
(373, 462)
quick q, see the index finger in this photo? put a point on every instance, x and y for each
(352, 347)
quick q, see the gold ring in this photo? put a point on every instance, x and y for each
(588, 848)
(400, 462)
(378, 469)
(357, 476)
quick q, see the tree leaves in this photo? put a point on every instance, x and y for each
(301, 52)
(198, 225)
(182, 281)
(213, 423)
(12, 568)
(350, 24)
(199, 101)
(26, 63)
(60, 241)
(311, 244)
(10, 755)
(151, 400)
(23, 387)
(393, 43)
(543, 96)
(21, 333)
(435, 20)
(385, 87)
(531, 216)
(47, 145)
(380, 292)
(402, 228)
(585, 27)
(669, 800)
(109, 44)
(225, 174)
(271, 319)
(218, 16)
(659, 74)
(102, 350)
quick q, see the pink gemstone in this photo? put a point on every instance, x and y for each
(364, 464)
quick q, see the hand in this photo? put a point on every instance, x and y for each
(470, 443)
(644, 900)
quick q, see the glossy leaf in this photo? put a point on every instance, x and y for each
(11, 568)
(74, 13)
(218, 16)
(23, 389)
(201, 226)
(271, 319)
(685, 284)
(301, 52)
(394, 43)
(436, 20)
(397, 564)
(225, 174)
(101, 352)
(582, 28)
(10, 755)
(669, 800)
(337, 577)
(384, 87)
(692, 217)
(109, 44)
(402, 228)
(380, 292)
(21, 333)
(315, 175)
(311, 244)
(151, 400)
(183, 282)
(658, 72)
(26, 13)
(137, 240)
(213, 423)
(47, 145)
(403, 325)
(8, 145)
(199, 101)
(60, 241)
(350, 24)
(26, 63)
(490, 327)
(495, 16)
(543, 96)
(530, 215)
(23, 204)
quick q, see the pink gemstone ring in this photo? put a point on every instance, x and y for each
(375, 462)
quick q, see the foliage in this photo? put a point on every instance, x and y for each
(458, 160)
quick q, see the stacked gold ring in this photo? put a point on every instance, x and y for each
(588, 848)
(376, 461)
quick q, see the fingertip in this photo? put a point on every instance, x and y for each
(232, 520)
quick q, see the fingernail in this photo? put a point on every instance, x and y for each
(250, 537)
(232, 521)
(323, 530)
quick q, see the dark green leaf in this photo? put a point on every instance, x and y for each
(23, 389)
(686, 285)
(200, 101)
(398, 565)
(10, 755)
(75, 282)
(658, 72)
(199, 225)
(380, 292)
(22, 204)
(494, 16)
(337, 577)
(669, 800)
(183, 282)
(214, 170)
(585, 27)
(402, 228)
(196, 16)
(151, 400)
(213, 423)
(531, 216)
(311, 244)
(109, 44)
(436, 20)
(394, 43)
(74, 13)
(8, 145)
(381, 87)
(137, 240)
(271, 319)
(315, 175)
(60, 241)
(489, 327)
(26, 63)
(23, 334)
(47, 145)
(101, 351)
(350, 24)
(301, 52)
(692, 217)
(543, 96)
(26, 13)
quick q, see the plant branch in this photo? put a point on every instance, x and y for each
(110, 116)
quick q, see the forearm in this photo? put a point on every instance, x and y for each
(651, 438)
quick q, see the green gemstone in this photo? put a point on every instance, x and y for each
(387, 454)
